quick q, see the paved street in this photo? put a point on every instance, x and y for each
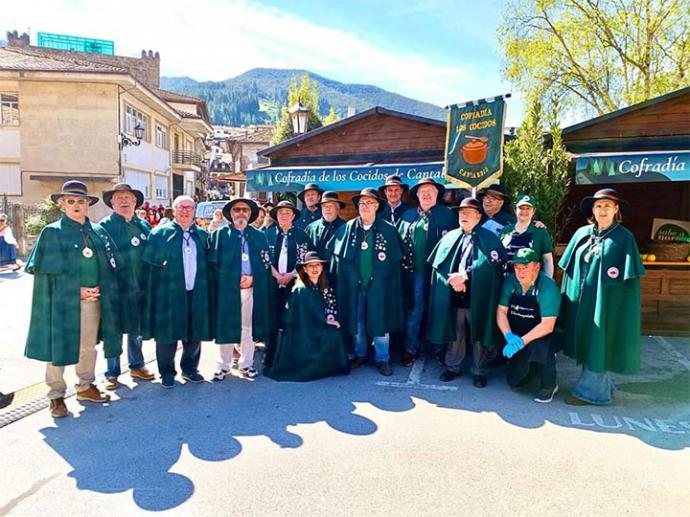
(357, 445)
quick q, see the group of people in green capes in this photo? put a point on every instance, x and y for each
(470, 285)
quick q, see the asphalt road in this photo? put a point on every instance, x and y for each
(360, 445)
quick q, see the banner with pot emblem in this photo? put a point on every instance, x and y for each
(474, 142)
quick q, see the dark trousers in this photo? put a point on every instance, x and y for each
(191, 350)
(519, 372)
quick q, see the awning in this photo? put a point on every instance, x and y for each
(634, 167)
(340, 178)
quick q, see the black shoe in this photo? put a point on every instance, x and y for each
(195, 377)
(357, 362)
(448, 376)
(385, 368)
(546, 395)
(441, 357)
(479, 381)
(408, 359)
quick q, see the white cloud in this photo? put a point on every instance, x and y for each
(218, 39)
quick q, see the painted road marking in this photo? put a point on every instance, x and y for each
(680, 358)
(413, 380)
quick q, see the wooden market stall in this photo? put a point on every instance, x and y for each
(642, 151)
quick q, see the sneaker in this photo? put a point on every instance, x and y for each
(220, 375)
(195, 377)
(248, 372)
(449, 375)
(408, 359)
(141, 373)
(234, 363)
(385, 368)
(546, 395)
(111, 383)
(479, 381)
(92, 394)
(58, 409)
(357, 362)
(168, 381)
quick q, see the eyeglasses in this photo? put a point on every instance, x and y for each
(185, 207)
(489, 197)
(367, 203)
(77, 201)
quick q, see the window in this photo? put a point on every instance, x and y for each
(10, 179)
(161, 187)
(161, 137)
(139, 181)
(132, 117)
(9, 109)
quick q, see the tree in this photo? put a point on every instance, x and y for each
(541, 171)
(596, 56)
(308, 95)
(331, 117)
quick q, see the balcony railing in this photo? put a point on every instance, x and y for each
(186, 158)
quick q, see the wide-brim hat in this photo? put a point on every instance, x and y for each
(124, 187)
(606, 193)
(469, 202)
(310, 186)
(331, 196)
(496, 188)
(393, 180)
(253, 207)
(369, 192)
(311, 257)
(428, 181)
(284, 204)
(74, 188)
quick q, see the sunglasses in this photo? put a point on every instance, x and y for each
(241, 210)
(76, 201)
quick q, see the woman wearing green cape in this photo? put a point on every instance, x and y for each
(311, 345)
(599, 321)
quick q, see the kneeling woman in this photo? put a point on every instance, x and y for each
(311, 345)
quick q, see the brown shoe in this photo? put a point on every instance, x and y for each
(58, 409)
(357, 362)
(92, 394)
(111, 383)
(142, 373)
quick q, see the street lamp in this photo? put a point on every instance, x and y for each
(300, 117)
(138, 133)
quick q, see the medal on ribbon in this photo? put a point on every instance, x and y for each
(87, 252)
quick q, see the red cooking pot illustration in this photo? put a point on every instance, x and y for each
(474, 151)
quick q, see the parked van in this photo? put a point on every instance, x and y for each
(205, 209)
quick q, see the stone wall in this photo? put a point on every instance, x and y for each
(145, 69)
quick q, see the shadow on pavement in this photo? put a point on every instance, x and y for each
(135, 441)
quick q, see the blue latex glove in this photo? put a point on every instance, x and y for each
(514, 345)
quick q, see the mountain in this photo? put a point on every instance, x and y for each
(255, 97)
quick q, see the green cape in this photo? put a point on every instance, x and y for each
(55, 261)
(165, 296)
(488, 256)
(599, 322)
(316, 232)
(384, 294)
(127, 279)
(309, 348)
(225, 258)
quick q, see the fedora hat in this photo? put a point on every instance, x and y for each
(428, 181)
(123, 187)
(253, 208)
(496, 188)
(393, 180)
(331, 196)
(74, 188)
(283, 204)
(310, 186)
(310, 257)
(469, 202)
(369, 192)
(606, 193)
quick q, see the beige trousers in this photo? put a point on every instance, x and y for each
(246, 345)
(86, 367)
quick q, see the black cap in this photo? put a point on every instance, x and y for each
(469, 202)
(369, 192)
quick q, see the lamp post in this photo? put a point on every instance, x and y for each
(300, 117)
(138, 133)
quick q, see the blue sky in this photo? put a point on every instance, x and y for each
(439, 51)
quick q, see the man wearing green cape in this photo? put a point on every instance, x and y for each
(129, 234)
(366, 262)
(177, 304)
(466, 281)
(321, 231)
(75, 298)
(241, 285)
